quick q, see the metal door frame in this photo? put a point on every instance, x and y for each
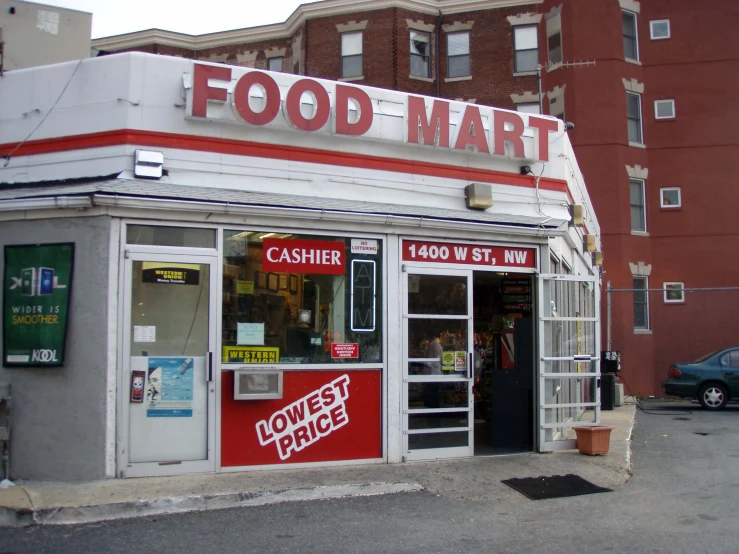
(545, 316)
(180, 255)
(438, 453)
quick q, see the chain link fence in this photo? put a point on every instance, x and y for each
(654, 328)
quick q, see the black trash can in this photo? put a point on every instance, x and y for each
(607, 391)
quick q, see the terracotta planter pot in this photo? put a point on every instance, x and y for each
(593, 439)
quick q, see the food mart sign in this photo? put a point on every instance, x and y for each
(282, 101)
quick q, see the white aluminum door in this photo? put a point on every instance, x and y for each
(569, 367)
(437, 357)
(168, 377)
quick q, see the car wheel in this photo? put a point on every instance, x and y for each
(713, 396)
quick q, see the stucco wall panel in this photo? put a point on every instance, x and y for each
(59, 414)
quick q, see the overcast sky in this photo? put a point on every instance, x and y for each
(113, 17)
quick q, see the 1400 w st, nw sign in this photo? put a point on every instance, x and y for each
(282, 101)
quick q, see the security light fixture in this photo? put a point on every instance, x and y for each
(478, 196)
(576, 215)
(148, 164)
(589, 243)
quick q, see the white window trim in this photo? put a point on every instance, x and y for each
(670, 206)
(646, 292)
(516, 50)
(641, 121)
(671, 101)
(636, 37)
(643, 182)
(468, 54)
(651, 29)
(429, 63)
(681, 300)
(342, 55)
(538, 107)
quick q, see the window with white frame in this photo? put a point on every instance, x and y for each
(641, 303)
(554, 44)
(351, 54)
(275, 64)
(670, 197)
(631, 43)
(528, 107)
(638, 206)
(664, 109)
(674, 292)
(633, 116)
(659, 29)
(420, 54)
(458, 55)
(526, 42)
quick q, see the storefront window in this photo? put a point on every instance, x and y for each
(299, 299)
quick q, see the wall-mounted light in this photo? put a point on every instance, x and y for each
(148, 164)
(598, 258)
(478, 196)
(589, 243)
(576, 215)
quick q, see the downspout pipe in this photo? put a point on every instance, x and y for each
(438, 55)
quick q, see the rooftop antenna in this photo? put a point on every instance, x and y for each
(550, 66)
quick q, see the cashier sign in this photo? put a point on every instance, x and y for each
(323, 257)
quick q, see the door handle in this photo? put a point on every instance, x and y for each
(210, 367)
(469, 365)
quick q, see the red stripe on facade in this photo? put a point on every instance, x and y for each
(280, 152)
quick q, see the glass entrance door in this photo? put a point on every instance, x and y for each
(437, 338)
(569, 368)
(168, 378)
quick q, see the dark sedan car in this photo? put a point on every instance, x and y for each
(713, 379)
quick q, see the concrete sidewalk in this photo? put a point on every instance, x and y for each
(476, 479)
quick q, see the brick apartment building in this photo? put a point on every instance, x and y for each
(651, 87)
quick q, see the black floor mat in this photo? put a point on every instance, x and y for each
(556, 486)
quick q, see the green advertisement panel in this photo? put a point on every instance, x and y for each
(36, 289)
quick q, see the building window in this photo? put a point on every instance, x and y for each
(351, 55)
(420, 54)
(633, 115)
(458, 55)
(529, 107)
(659, 29)
(641, 303)
(631, 44)
(664, 109)
(554, 44)
(638, 211)
(291, 299)
(670, 197)
(674, 292)
(527, 48)
(275, 64)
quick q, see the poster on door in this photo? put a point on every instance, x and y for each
(169, 387)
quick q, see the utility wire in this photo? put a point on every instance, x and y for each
(14, 150)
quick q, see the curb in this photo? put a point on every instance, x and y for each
(181, 504)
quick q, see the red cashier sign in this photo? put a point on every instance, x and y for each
(303, 256)
(470, 254)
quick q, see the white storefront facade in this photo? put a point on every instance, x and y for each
(270, 269)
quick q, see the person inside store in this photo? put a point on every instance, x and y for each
(431, 390)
